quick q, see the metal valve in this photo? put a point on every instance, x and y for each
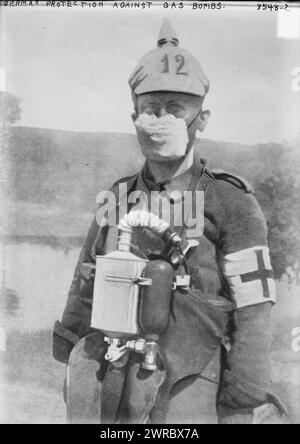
(117, 348)
(150, 356)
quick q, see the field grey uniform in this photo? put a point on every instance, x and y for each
(231, 293)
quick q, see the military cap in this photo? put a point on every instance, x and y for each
(168, 67)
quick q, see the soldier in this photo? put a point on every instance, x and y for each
(214, 362)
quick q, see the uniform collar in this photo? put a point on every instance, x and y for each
(151, 184)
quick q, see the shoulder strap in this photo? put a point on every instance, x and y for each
(234, 179)
(201, 177)
(200, 181)
(102, 233)
(130, 181)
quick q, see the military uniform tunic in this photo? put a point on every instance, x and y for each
(228, 302)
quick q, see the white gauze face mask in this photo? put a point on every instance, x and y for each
(162, 138)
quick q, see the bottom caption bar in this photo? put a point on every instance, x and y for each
(133, 432)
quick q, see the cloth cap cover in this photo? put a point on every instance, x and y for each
(168, 68)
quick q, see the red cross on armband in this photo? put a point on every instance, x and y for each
(250, 276)
(262, 274)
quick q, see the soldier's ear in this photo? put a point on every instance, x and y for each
(203, 120)
(135, 113)
(134, 116)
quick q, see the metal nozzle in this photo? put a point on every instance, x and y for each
(117, 348)
(150, 356)
(172, 237)
(124, 241)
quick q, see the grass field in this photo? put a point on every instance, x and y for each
(32, 380)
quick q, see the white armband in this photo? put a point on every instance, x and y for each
(250, 276)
